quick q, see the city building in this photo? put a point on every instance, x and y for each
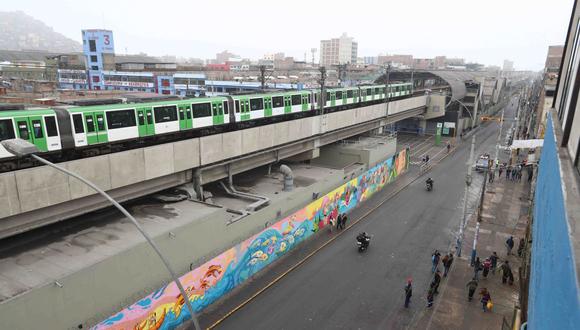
(99, 50)
(508, 65)
(341, 50)
(555, 236)
(554, 59)
(224, 57)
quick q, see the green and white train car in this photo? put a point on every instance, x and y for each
(109, 123)
(37, 126)
(257, 106)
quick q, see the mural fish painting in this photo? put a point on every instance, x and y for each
(165, 308)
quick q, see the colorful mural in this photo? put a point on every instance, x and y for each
(165, 308)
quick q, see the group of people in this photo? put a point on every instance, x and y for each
(447, 261)
(339, 222)
(514, 172)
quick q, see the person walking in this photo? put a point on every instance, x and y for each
(408, 292)
(435, 260)
(476, 268)
(430, 296)
(508, 172)
(499, 171)
(447, 264)
(493, 258)
(344, 218)
(485, 298)
(509, 245)
(506, 272)
(436, 281)
(471, 287)
(339, 222)
(448, 147)
(486, 267)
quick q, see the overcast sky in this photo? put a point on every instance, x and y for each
(487, 31)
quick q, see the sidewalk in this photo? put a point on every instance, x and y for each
(505, 211)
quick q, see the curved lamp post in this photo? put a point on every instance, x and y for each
(21, 148)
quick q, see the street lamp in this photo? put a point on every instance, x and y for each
(21, 148)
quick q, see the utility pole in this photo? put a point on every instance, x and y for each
(263, 76)
(468, 179)
(322, 81)
(479, 214)
(387, 94)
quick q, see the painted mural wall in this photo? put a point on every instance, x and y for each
(165, 308)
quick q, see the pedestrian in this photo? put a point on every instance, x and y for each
(339, 222)
(530, 173)
(508, 172)
(448, 147)
(509, 245)
(521, 247)
(491, 174)
(436, 281)
(435, 260)
(408, 292)
(430, 296)
(486, 267)
(477, 268)
(485, 298)
(331, 222)
(447, 264)
(493, 258)
(471, 286)
(344, 218)
(506, 272)
(426, 159)
(500, 171)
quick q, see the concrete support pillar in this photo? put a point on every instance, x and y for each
(422, 127)
(197, 184)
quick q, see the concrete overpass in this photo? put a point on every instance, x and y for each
(35, 197)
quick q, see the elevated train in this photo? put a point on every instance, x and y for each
(65, 133)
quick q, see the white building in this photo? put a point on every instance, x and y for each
(338, 51)
(508, 65)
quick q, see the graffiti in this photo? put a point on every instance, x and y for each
(165, 308)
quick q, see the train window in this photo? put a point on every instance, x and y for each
(181, 114)
(327, 96)
(296, 99)
(6, 129)
(90, 124)
(338, 95)
(277, 102)
(23, 130)
(355, 93)
(256, 104)
(201, 110)
(237, 106)
(316, 98)
(226, 108)
(377, 91)
(50, 124)
(101, 122)
(349, 94)
(141, 118)
(78, 123)
(188, 113)
(118, 119)
(165, 113)
(37, 129)
(369, 92)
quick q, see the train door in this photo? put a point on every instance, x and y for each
(31, 129)
(287, 104)
(184, 117)
(52, 133)
(145, 122)
(333, 99)
(267, 106)
(217, 113)
(304, 102)
(96, 130)
(245, 109)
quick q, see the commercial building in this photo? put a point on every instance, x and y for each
(549, 83)
(554, 286)
(341, 50)
(508, 65)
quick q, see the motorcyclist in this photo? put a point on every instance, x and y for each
(363, 238)
(429, 182)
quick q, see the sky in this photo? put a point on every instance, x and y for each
(486, 32)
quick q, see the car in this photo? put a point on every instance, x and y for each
(482, 163)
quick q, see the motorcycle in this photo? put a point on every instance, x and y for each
(363, 244)
(429, 186)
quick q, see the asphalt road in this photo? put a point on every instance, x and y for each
(341, 288)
